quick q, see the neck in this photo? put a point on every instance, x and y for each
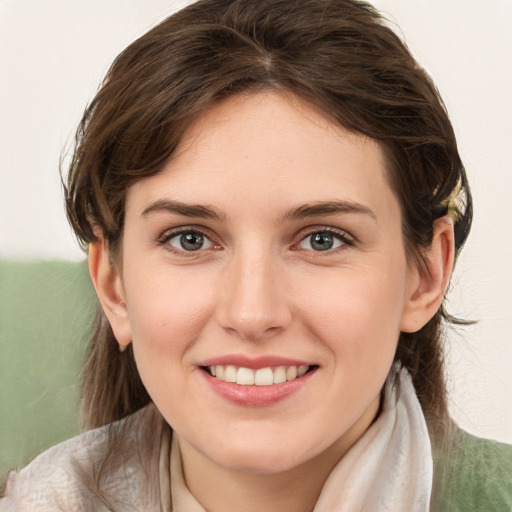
(219, 489)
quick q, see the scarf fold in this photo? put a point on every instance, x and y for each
(388, 469)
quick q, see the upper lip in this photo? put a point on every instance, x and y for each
(255, 363)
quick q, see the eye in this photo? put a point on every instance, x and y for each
(189, 241)
(323, 241)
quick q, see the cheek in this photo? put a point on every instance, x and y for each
(358, 314)
(165, 305)
(167, 314)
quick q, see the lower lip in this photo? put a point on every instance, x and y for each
(256, 396)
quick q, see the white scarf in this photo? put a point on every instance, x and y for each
(388, 469)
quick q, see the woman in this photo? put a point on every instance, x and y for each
(272, 200)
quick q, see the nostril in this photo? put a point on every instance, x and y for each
(252, 310)
(253, 334)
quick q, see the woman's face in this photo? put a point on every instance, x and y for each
(269, 245)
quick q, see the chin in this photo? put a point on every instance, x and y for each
(258, 461)
(270, 456)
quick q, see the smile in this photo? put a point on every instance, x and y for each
(256, 381)
(260, 377)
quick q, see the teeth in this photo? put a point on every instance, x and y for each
(280, 374)
(262, 377)
(231, 374)
(245, 376)
(301, 370)
(291, 373)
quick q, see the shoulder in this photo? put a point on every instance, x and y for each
(50, 482)
(472, 474)
(63, 477)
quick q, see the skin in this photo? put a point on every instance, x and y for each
(258, 287)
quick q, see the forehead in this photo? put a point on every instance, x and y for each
(269, 144)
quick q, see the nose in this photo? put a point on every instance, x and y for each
(254, 304)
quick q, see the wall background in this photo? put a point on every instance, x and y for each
(53, 55)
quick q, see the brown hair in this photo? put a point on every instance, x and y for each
(339, 55)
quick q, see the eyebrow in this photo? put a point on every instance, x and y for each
(300, 212)
(327, 208)
(185, 209)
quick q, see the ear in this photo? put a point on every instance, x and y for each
(108, 284)
(429, 280)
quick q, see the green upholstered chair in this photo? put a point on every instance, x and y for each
(46, 315)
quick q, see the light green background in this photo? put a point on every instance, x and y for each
(46, 315)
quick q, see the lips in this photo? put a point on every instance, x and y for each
(256, 382)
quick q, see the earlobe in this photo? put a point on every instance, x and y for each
(429, 281)
(108, 284)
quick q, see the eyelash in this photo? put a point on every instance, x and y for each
(166, 237)
(346, 240)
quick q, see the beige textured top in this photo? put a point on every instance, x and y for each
(388, 469)
(52, 482)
